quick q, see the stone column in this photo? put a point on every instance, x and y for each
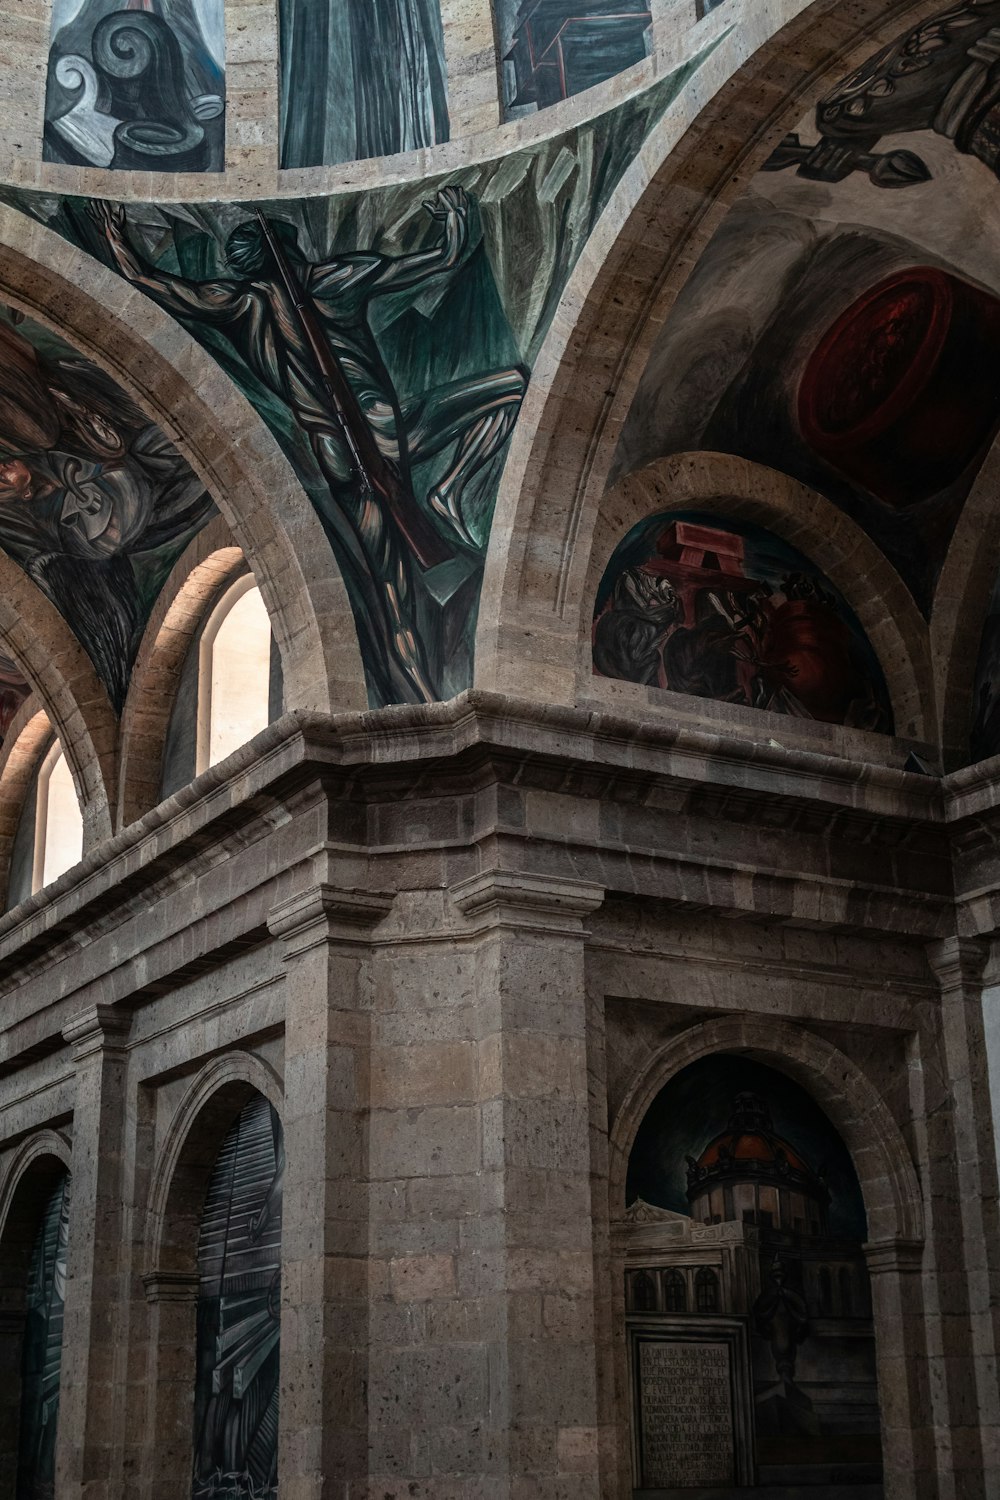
(324, 1306)
(90, 1436)
(485, 1362)
(966, 1224)
(894, 1267)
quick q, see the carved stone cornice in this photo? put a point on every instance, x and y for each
(99, 1028)
(958, 963)
(171, 1286)
(325, 914)
(527, 901)
(895, 1257)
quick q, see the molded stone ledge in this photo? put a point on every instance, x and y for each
(531, 902)
(99, 1028)
(323, 913)
(171, 1286)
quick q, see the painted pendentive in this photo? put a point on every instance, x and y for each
(42, 1350)
(239, 1303)
(552, 49)
(137, 85)
(697, 603)
(395, 387)
(95, 504)
(360, 80)
(843, 324)
(745, 1213)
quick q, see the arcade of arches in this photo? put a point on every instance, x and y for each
(500, 750)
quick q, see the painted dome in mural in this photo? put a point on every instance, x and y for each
(750, 1149)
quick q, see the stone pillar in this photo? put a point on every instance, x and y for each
(966, 1225)
(324, 1305)
(908, 1454)
(90, 1436)
(484, 1363)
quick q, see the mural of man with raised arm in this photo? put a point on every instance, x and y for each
(257, 311)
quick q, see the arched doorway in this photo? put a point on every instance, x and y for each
(238, 1313)
(33, 1250)
(748, 1302)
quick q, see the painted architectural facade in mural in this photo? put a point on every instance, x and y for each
(95, 504)
(374, 75)
(747, 1291)
(552, 49)
(137, 84)
(239, 1306)
(700, 604)
(393, 384)
(842, 324)
(42, 1350)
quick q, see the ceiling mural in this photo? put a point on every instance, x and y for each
(552, 49)
(95, 504)
(700, 604)
(137, 85)
(843, 324)
(386, 338)
(374, 74)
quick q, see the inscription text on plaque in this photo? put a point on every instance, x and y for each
(686, 1409)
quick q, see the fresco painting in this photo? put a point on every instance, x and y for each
(95, 504)
(374, 76)
(13, 691)
(745, 1214)
(697, 603)
(239, 1309)
(386, 338)
(843, 324)
(137, 84)
(552, 49)
(42, 1350)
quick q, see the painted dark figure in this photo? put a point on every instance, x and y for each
(132, 84)
(475, 417)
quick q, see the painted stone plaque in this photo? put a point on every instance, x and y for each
(686, 1408)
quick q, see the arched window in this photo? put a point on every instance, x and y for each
(706, 1290)
(675, 1292)
(58, 820)
(239, 1296)
(643, 1292)
(234, 673)
(41, 1348)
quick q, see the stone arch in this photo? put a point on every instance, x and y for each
(662, 215)
(210, 560)
(961, 603)
(820, 530)
(170, 1250)
(32, 1175)
(22, 749)
(227, 444)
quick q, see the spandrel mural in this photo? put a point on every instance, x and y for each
(552, 49)
(95, 504)
(843, 325)
(137, 84)
(42, 1350)
(701, 604)
(239, 1311)
(13, 691)
(386, 338)
(746, 1282)
(360, 80)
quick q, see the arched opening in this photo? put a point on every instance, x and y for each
(213, 1287)
(739, 1185)
(32, 1298)
(58, 820)
(234, 673)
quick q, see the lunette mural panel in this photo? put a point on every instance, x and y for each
(386, 338)
(239, 1314)
(843, 324)
(701, 604)
(95, 504)
(360, 80)
(746, 1215)
(552, 49)
(42, 1350)
(137, 85)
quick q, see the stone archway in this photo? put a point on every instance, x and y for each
(893, 1204)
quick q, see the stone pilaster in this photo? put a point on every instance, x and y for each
(90, 1435)
(324, 1321)
(908, 1449)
